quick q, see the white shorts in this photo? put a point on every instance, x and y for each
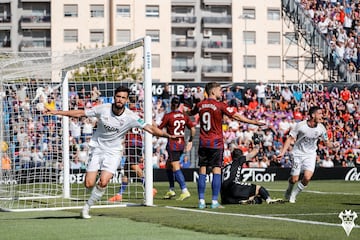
(303, 162)
(100, 160)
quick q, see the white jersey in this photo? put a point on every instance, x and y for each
(111, 129)
(307, 137)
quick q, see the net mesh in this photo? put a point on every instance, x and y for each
(32, 166)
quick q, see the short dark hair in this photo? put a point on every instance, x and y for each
(210, 86)
(313, 109)
(175, 102)
(122, 89)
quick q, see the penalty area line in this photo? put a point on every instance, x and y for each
(259, 216)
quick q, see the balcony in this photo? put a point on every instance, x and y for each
(4, 18)
(217, 22)
(217, 70)
(35, 22)
(217, 46)
(181, 21)
(184, 45)
(217, 2)
(183, 72)
(5, 43)
(35, 45)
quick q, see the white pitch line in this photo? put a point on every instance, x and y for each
(259, 216)
(319, 192)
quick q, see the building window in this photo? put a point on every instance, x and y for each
(154, 34)
(70, 35)
(249, 13)
(123, 35)
(273, 14)
(97, 36)
(152, 11)
(70, 10)
(249, 37)
(249, 61)
(292, 63)
(123, 10)
(273, 62)
(96, 11)
(273, 38)
(155, 58)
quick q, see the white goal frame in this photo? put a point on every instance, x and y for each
(63, 67)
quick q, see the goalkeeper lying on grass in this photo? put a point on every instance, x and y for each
(234, 190)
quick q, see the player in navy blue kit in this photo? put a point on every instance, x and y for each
(211, 147)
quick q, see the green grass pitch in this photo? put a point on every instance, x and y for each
(314, 216)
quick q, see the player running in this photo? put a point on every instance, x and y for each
(211, 147)
(133, 153)
(305, 136)
(106, 145)
(175, 123)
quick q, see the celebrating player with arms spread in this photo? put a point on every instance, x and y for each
(133, 153)
(305, 136)
(211, 147)
(114, 121)
(175, 123)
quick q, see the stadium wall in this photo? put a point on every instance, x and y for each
(249, 174)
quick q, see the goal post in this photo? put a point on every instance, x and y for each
(48, 154)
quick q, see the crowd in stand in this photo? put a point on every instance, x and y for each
(339, 22)
(35, 139)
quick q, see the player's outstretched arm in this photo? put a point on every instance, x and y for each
(70, 113)
(157, 132)
(244, 119)
(333, 145)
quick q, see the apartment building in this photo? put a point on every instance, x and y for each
(193, 40)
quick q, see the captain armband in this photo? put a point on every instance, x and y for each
(190, 139)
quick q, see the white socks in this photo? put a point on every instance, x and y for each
(96, 194)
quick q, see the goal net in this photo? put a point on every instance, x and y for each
(44, 157)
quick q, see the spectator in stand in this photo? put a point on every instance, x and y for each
(276, 95)
(165, 97)
(327, 162)
(260, 93)
(286, 94)
(87, 128)
(198, 95)
(95, 93)
(72, 92)
(238, 94)
(75, 164)
(248, 96)
(229, 95)
(253, 104)
(297, 94)
(185, 161)
(345, 94)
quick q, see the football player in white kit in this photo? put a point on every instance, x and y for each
(113, 122)
(305, 136)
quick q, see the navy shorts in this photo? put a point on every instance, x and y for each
(210, 157)
(174, 155)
